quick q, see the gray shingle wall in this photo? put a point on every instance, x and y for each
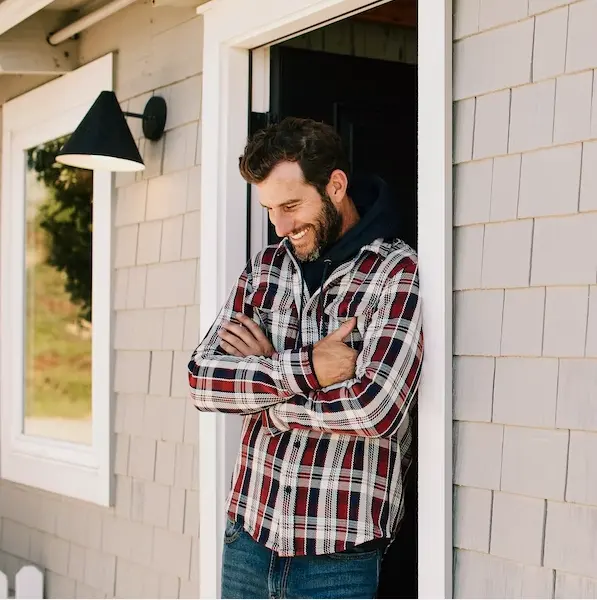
(525, 394)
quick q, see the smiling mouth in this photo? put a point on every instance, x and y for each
(299, 235)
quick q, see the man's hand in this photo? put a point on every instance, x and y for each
(245, 339)
(333, 360)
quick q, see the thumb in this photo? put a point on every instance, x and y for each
(344, 330)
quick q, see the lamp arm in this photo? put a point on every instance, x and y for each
(132, 114)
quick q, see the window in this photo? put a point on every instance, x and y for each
(55, 296)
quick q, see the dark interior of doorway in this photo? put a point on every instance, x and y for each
(360, 76)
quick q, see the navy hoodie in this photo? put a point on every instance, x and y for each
(378, 213)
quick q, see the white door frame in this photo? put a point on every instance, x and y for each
(231, 29)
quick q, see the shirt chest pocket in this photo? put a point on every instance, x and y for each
(349, 305)
(276, 310)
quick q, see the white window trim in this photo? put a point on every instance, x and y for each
(66, 468)
(231, 27)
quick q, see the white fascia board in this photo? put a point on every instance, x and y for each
(13, 12)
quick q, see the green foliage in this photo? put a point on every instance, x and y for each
(66, 218)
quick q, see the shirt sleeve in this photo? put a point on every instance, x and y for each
(224, 383)
(375, 402)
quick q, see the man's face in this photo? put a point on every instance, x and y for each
(298, 211)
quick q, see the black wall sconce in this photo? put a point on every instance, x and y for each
(103, 140)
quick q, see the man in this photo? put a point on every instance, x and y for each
(319, 347)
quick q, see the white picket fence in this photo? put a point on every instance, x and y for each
(29, 583)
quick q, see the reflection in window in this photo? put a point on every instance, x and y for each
(58, 297)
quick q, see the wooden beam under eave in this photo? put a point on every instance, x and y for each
(179, 3)
(25, 51)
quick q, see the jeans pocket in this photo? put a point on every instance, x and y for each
(356, 553)
(232, 531)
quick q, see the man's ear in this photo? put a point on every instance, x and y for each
(338, 185)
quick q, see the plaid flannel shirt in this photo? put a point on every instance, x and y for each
(319, 470)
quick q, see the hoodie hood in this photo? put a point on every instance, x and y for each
(378, 219)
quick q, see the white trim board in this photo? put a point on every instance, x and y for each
(13, 12)
(231, 28)
(71, 469)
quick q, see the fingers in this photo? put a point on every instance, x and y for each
(246, 337)
(230, 349)
(240, 332)
(344, 330)
(235, 343)
(252, 327)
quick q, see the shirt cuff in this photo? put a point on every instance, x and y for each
(310, 351)
(296, 369)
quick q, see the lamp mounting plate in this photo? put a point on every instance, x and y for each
(154, 118)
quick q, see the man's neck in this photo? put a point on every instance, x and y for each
(350, 216)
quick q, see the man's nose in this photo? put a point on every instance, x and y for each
(283, 225)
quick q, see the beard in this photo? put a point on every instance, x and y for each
(326, 229)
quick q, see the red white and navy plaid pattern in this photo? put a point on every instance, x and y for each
(319, 470)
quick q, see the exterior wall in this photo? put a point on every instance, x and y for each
(525, 511)
(146, 545)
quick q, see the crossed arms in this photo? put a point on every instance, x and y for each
(303, 388)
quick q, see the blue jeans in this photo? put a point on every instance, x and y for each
(250, 570)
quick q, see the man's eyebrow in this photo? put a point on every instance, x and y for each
(285, 203)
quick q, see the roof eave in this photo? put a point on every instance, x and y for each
(13, 12)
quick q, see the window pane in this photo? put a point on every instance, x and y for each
(58, 297)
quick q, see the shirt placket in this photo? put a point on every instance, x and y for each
(289, 494)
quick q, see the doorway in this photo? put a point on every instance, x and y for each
(359, 75)
(235, 31)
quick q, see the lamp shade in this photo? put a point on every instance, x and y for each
(103, 140)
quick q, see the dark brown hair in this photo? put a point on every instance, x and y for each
(315, 146)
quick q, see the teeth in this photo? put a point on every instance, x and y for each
(299, 235)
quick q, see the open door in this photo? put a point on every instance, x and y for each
(232, 28)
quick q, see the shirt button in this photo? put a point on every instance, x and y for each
(288, 489)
